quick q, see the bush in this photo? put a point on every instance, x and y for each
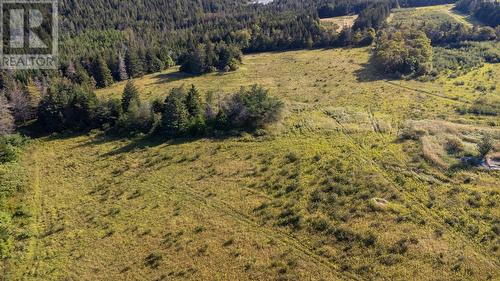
(485, 146)
(9, 147)
(6, 241)
(454, 146)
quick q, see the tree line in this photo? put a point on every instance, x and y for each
(487, 12)
(184, 112)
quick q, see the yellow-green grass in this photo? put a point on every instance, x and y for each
(295, 204)
(311, 81)
(437, 13)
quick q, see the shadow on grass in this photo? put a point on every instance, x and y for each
(171, 77)
(370, 73)
(150, 141)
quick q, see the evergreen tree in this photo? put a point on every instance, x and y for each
(130, 94)
(67, 106)
(194, 106)
(149, 61)
(83, 78)
(6, 119)
(195, 61)
(102, 74)
(133, 64)
(122, 69)
(175, 117)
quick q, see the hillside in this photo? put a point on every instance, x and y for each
(331, 192)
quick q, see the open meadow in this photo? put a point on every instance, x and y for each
(353, 183)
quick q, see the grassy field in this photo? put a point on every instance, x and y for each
(438, 13)
(330, 193)
(339, 23)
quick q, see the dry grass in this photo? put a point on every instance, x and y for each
(296, 204)
(434, 136)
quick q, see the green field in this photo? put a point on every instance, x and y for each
(429, 14)
(329, 193)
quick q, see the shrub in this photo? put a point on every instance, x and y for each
(454, 145)
(9, 147)
(6, 241)
(485, 146)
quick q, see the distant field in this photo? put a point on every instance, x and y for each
(438, 13)
(329, 193)
(339, 23)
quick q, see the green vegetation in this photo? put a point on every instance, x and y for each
(331, 191)
(403, 52)
(297, 165)
(12, 184)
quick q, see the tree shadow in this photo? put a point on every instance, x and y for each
(154, 140)
(171, 77)
(369, 73)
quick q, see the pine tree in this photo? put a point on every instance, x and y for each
(195, 109)
(122, 69)
(130, 95)
(195, 61)
(102, 74)
(6, 119)
(175, 117)
(134, 66)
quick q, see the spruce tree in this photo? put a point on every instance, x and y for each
(130, 95)
(175, 117)
(194, 106)
(133, 64)
(102, 74)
